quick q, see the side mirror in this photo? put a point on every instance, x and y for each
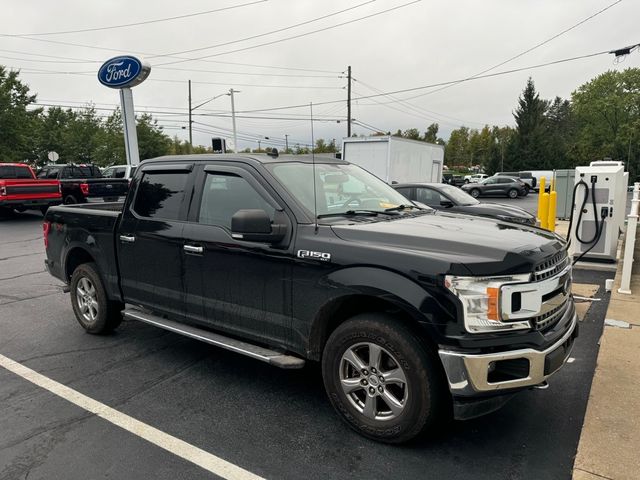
(255, 226)
(446, 203)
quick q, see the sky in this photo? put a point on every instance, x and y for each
(391, 45)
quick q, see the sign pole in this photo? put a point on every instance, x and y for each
(123, 73)
(129, 126)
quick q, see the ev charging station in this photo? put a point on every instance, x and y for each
(599, 206)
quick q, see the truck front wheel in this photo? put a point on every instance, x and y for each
(381, 379)
(92, 308)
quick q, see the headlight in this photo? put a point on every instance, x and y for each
(480, 297)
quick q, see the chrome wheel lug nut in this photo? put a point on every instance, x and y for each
(364, 371)
(373, 370)
(381, 378)
(372, 390)
(363, 382)
(380, 389)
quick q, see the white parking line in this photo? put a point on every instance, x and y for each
(174, 445)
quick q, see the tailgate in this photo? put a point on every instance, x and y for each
(30, 189)
(108, 187)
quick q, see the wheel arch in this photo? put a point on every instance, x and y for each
(76, 257)
(338, 310)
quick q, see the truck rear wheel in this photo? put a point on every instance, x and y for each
(70, 200)
(381, 380)
(93, 310)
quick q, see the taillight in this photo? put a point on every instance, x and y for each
(46, 227)
(84, 188)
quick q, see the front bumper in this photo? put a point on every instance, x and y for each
(470, 375)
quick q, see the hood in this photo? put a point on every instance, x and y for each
(498, 209)
(482, 245)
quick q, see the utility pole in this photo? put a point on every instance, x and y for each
(233, 118)
(190, 121)
(349, 101)
(286, 143)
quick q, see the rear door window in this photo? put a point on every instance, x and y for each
(160, 195)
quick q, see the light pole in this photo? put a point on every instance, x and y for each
(233, 119)
(191, 109)
(286, 143)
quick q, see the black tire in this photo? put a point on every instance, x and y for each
(526, 191)
(422, 399)
(105, 316)
(70, 200)
(474, 192)
(513, 193)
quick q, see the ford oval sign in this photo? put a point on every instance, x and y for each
(123, 72)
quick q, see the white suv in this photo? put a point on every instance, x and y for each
(475, 178)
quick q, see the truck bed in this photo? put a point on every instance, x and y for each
(90, 227)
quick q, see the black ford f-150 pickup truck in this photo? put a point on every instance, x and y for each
(413, 314)
(84, 183)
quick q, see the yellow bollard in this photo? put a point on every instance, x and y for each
(541, 191)
(553, 203)
(544, 210)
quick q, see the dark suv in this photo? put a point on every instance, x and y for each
(527, 178)
(497, 186)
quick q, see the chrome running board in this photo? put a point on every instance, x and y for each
(254, 351)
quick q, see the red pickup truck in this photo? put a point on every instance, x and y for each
(20, 190)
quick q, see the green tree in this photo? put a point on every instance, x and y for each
(152, 141)
(457, 151)
(607, 116)
(17, 122)
(412, 134)
(528, 147)
(431, 135)
(50, 131)
(559, 135)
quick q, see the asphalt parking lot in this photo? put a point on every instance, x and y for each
(273, 423)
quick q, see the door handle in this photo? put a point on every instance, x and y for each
(193, 249)
(127, 238)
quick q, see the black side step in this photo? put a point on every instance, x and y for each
(259, 353)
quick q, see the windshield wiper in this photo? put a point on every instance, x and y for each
(400, 207)
(348, 213)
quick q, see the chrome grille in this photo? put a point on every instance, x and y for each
(550, 267)
(549, 319)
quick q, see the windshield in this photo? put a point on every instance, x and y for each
(457, 195)
(339, 187)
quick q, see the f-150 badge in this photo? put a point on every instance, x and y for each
(310, 254)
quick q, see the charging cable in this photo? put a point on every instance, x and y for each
(598, 226)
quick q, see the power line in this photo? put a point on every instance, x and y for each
(145, 54)
(71, 60)
(146, 22)
(263, 34)
(406, 90)
(247, 73)
(439, 84)
(415, 110)
(528, 50)
(299, 35)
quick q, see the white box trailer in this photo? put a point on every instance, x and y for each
(395, 159)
